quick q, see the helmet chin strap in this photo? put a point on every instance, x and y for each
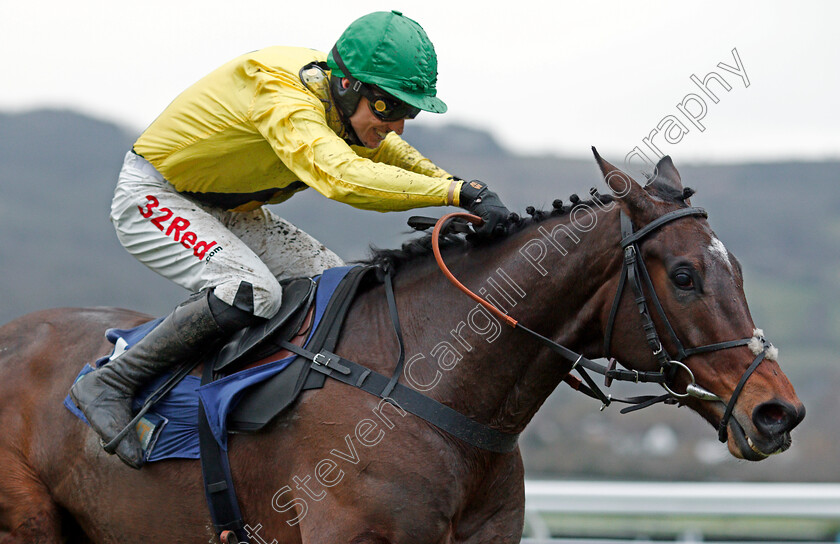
(346, 98)
(346, 101)
(315, 77)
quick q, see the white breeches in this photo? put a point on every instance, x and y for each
(200, 247)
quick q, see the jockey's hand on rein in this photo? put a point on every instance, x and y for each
(477, 199)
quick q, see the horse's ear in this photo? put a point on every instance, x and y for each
(629, 193)
(666, 173)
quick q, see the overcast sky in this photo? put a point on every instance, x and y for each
(542, 76)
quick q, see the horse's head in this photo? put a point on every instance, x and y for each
(699, 286)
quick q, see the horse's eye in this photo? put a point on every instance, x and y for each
(683, 280)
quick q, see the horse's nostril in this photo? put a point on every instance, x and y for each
(774, 414)
(776, 417)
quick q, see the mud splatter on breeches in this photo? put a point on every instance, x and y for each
(199, 247)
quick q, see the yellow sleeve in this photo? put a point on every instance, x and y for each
(294, 125)
(397, 152)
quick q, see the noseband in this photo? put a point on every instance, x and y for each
(635, 273)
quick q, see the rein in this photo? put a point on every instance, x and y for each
(635, 273)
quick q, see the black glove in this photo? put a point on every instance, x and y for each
(477, 199)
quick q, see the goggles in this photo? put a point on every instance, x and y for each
(386, 107)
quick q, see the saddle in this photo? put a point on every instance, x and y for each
(249, 377)
(296, 323)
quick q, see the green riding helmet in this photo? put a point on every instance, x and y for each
(389, 51)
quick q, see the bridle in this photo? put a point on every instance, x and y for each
(635, 273)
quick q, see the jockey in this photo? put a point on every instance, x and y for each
(189, 200)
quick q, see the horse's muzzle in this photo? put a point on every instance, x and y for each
(776, 418)
(773, 421)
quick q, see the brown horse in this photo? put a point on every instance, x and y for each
(343, 467)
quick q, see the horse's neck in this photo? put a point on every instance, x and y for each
(462, 355)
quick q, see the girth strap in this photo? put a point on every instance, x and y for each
(218, 480)
(407, 399)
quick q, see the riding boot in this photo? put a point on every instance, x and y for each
(105, 396)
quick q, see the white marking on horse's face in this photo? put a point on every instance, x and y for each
(718, 251)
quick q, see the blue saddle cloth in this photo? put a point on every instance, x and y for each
(170, 429)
